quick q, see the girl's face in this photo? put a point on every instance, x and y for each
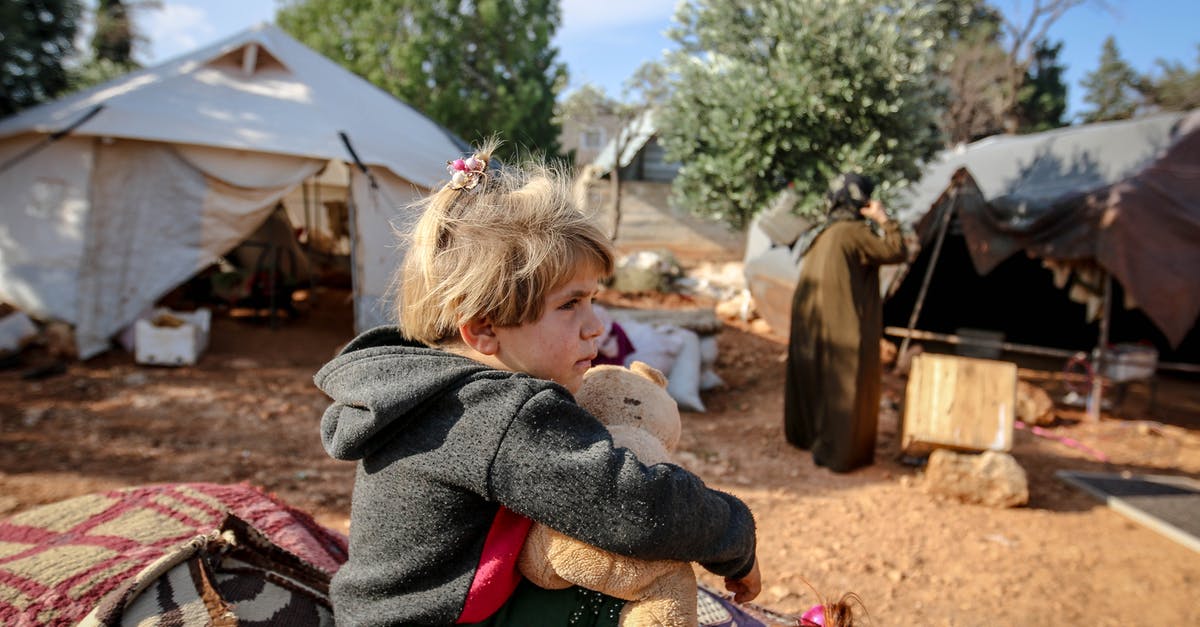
(561, 345)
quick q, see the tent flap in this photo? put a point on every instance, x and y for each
(154, 222)
(379, 217)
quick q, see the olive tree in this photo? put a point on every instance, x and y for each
(770, 92)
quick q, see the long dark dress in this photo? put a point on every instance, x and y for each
(831, 404)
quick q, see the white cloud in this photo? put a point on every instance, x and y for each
(588, 15)
(175, 29)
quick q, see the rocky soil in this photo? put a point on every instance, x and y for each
(249, 412)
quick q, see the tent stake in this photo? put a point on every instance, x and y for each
(933, 257)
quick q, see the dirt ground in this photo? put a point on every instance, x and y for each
(249, 412)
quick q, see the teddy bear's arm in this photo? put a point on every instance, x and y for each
(665, 588)
(648, 449)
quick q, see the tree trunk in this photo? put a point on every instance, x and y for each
(616, 196)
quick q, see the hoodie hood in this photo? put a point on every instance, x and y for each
(376, 382)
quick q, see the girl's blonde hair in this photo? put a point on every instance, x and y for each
(494, 251)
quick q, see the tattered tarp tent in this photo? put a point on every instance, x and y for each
(180, 162)
(1124, 195)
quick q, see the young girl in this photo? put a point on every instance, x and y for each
(464, 427)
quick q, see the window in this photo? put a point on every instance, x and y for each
(592, 138)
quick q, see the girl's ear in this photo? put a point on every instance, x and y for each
(480, 335)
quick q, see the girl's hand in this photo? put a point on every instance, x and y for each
(874, 211)
(747, 588)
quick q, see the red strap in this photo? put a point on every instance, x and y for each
(496, 577)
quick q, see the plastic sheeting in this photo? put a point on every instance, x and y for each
(1143, 227)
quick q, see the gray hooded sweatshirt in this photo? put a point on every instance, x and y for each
(451, 452)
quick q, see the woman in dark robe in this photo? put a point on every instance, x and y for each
(831, 404)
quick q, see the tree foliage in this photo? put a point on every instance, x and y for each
(1112, 88)
(114, 34)
(477, 67)
(113, 43)
(975, 70)
(1002, 73)
(1024, 37)
(1042, 100)
(37, 37)
(1177, 88)
(587, 105)
(771, 91)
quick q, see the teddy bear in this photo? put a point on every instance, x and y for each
(641, 416)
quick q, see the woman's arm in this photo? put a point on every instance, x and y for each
(879, 250)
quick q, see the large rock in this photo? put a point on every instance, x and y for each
(991, 478)
(1034, 406)
(645, 271)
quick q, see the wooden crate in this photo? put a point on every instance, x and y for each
(959, 403)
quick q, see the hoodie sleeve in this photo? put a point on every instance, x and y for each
(556, 464)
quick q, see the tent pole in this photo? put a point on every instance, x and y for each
(933, 257)
(1096, 397)
(307, 210)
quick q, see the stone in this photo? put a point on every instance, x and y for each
(1034, 406)
(991, 478)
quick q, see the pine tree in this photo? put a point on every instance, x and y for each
(1111, 88)
(112, 45)
(113, 39)
(1044, 95)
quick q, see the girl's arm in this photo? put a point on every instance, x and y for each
(557, 466)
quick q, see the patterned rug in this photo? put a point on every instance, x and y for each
(189, 554)
(172, 554)
(717, 609)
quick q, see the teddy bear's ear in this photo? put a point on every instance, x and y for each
(649, 372)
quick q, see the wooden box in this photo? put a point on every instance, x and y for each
(959, 403)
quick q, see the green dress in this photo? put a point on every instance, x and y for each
(831, 404)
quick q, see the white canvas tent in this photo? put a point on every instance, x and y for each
(177, 163)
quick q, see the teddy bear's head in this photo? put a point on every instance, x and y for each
(631, 398)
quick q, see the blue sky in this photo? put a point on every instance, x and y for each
(603, 41)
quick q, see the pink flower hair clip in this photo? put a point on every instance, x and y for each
(466, 173)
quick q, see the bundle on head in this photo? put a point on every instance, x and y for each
(848, 193)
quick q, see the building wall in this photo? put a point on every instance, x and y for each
(587, 139)
(651, 165)
(649, 221)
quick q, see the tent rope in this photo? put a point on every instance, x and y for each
(50, 139)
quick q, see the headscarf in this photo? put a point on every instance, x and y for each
(848, 192)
